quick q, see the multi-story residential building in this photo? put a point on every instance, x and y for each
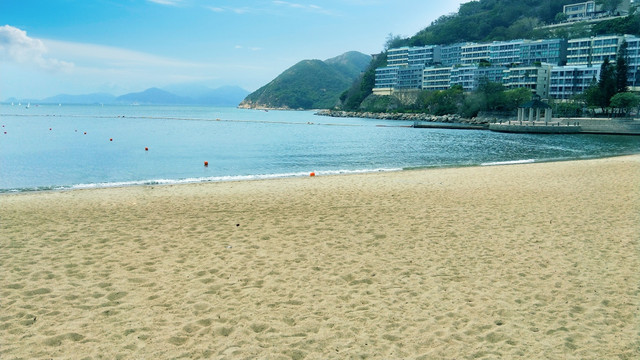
(633, 61)
(535, 78)
(436, 78)
(463, 76)
(579, 51)
(550, 51)
(398, 56)
(409, 77)
(489, 73)
(412, 67)
(605, 47)
(469, 77)
(568, 81)
(424, 55)
(386, 79)
(413, 56)
(451, 54)
(505, 52)
(581, 11)
(472, 53)
(593, 50)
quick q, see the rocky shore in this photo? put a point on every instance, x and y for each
(453, 118)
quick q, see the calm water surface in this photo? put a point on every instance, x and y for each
(45, 147)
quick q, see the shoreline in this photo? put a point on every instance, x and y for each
(531, 260)
(504, 123)
(267, 177)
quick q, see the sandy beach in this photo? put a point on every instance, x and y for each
(531, 261)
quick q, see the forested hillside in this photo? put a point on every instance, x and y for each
(489, 20)
(310, 84)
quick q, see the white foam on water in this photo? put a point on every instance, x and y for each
(225, 178)
(511, 162)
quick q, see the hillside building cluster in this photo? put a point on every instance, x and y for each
(552, 68)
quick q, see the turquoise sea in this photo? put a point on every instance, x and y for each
(50, 147)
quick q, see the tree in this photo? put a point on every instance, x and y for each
(609, 6)
(625, 25)
(493, 95)
(606, 85)
(363, 87)
(560, 17)
(624, 102)
(517, 97)
(622, 69)
(442, 102)
(394, 41)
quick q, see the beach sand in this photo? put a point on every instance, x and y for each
(532, 261)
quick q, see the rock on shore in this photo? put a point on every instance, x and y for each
(453, 118)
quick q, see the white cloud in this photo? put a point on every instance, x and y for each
(252, 48)
(239, 11)
(96, 65)
(114, 57)
(167, 2)
(310, 7)
(17, 47)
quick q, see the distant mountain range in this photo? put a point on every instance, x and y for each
(172, 95)
(310, 84)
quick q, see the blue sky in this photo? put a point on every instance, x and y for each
(49, 47)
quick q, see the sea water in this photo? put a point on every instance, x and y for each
(50, 147)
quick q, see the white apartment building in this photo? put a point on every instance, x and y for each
(411, 67)
(505, 52)
(550, 51)
(633, 58)
(409, 77)
(469, 77)
(398, 57)
(436, 78)
(581, 11)
(474, 53)
(605, 47)
(424, 55)
(593, 50)
(386, 79)
(451, 54)
(568, 81)
(535, 78)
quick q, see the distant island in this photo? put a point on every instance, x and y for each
(184, 94)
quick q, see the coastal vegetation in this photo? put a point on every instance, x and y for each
(489, 97)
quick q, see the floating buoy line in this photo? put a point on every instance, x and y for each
(200, 119)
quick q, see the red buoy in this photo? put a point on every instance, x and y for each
(206, 163)
(146, 149)
(110, 139)
(312, 174)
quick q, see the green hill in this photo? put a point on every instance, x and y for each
(310, 84)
